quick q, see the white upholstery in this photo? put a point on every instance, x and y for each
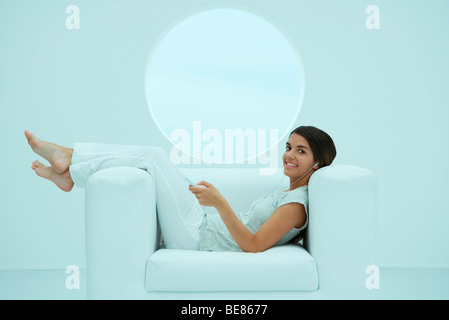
(124, 261)
(288, 267)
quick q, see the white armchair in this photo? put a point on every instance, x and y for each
(124, 259)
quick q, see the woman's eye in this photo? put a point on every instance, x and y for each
(287, 148)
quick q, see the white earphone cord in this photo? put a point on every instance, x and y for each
(303, 175)
(280, 168)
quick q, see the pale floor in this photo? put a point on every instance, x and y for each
(395, 284)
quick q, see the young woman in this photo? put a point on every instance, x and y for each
(275, 219)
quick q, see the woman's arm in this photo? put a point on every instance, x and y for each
(283, 219)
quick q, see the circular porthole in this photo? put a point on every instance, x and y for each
(224, 86)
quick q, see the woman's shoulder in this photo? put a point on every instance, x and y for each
(297, 191)
(299, 195)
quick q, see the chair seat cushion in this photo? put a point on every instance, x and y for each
(287, 267)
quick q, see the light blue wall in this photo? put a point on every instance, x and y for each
(381, 94)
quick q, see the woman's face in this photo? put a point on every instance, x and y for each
(298, 158)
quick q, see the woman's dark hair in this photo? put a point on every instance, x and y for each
(324, 152)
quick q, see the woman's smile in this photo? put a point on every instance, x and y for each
(289, 165)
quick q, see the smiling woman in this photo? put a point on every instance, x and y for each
(306, 145)
(274, 219)
(309, 145)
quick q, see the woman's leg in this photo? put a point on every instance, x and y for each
(59, 157)
(179, 212)
(62, 180)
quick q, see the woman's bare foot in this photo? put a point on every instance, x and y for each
(59, 157)
(62, 180)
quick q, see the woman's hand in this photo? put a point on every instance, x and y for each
(208, 195)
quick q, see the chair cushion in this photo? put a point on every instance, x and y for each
(287, 267)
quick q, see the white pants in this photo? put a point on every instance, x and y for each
(178, 210)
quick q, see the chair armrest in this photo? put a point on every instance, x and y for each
(342, 231)
(121, 232)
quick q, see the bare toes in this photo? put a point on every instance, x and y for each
(38, 164)
(28, 135)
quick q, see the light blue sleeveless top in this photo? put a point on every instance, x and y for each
(214, 236)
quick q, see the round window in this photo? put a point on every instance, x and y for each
(224, 86)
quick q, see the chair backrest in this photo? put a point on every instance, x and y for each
(342, 231)
(241, 187)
